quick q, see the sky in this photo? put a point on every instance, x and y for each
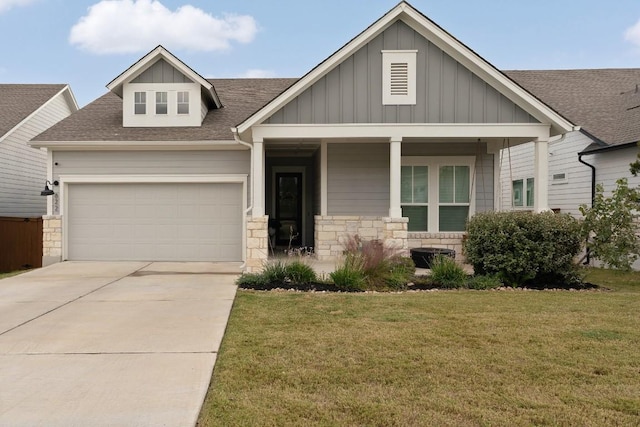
(87, 43)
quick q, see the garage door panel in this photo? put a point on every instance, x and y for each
(155, 222)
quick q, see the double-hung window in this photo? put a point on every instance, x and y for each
(140, 103)
(436, 192)
(523, 196)
(183, 102)
(161, 102)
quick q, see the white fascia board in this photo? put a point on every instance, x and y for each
(40, 108)
(321, 70)
(138, 145)
(152, 179)
(390, 130)
(487, 72)
(152, 57)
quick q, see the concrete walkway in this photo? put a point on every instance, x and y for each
(111, 344)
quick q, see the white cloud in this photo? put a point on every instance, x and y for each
(633, 34)
(8, 4)
(258, 74)
(129, 26)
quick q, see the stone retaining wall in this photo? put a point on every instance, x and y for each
(437, 240)
(257, 243)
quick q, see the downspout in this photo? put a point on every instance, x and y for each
(593, 196)
(236, 137)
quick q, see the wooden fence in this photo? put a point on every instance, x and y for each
(20, 243)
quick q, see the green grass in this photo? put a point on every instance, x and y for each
(449, 358)
(11, 273)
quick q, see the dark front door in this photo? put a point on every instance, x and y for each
(289, 208)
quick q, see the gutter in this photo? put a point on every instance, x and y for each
(236, 137)
(593, 194)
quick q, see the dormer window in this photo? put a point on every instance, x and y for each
(140, 102)
(161, 103)
(183, 102)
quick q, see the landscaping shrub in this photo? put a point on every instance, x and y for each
(480, 282)
(446, 273)
(349, 275)
(400, 273)
(522, 247)
(299, 273)
(275, 272)
(251, 280)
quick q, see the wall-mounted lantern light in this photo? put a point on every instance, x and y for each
(49, 191)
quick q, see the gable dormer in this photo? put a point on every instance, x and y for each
(161, 91)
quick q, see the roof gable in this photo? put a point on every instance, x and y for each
(446, 91)
(18, 102)
(438, 37)
(148, 63)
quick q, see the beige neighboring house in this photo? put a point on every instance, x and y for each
(27, 110)
(395, 136)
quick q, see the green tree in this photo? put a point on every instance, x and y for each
(610, 226)
(635, 166)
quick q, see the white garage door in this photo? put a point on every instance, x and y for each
(155, 222)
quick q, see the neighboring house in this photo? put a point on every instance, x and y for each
(395, 136)
(605, 103)
(26, 110)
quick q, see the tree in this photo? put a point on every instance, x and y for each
(635, 166)
(610, 226)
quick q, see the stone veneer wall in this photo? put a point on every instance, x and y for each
(257, 243)
(438, 240)
(51, 239)
(330, 232)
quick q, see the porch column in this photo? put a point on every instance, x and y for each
(257, 175)
(395, 167)
(323, 179)
(541, 175)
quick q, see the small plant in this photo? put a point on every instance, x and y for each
(299, 273)
(251, 281)
(482, 282)
(275, 272)
(349, 276)
(446, 272)
(400, 273)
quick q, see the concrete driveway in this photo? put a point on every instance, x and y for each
(111, 344)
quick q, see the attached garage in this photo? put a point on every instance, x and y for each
(138, 221)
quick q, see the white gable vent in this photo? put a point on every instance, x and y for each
(399, 77)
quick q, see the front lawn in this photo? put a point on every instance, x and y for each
(455, 358)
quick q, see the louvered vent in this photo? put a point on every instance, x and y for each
(399, 79)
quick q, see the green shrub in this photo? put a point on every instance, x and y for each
(300, 273)
(275, 272)
(349, 275)
(521, 247)
(446, 272)
(484, 282)
(251, 280)
(400, 273)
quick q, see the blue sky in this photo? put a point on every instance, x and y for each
(87, 43)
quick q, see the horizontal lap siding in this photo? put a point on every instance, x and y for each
(23, 169)
(614, 165)
(447, 92)
(358, 179)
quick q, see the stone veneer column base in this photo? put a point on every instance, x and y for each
(51, 239)
(438, 240)
(331, 232)
(257, 243)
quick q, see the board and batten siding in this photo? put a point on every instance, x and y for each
(447, 92)
(161, 72)
(358, 179)
(23, 169)
(563, 158)
(482, 182)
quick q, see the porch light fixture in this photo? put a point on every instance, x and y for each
(49, 191)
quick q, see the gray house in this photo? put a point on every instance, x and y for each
(396, 136)
(25, 111)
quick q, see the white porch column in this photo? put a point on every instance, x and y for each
(395, 167)
(323, 179)
(257, 175)
(541, 175)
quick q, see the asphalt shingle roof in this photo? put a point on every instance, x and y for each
(604, 102)
(101, 120)
(18, 101)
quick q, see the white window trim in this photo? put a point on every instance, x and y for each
(434, 163)
(178, 103)
(135, 103)
(165, 103)
(399, 56)
(524, 206)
